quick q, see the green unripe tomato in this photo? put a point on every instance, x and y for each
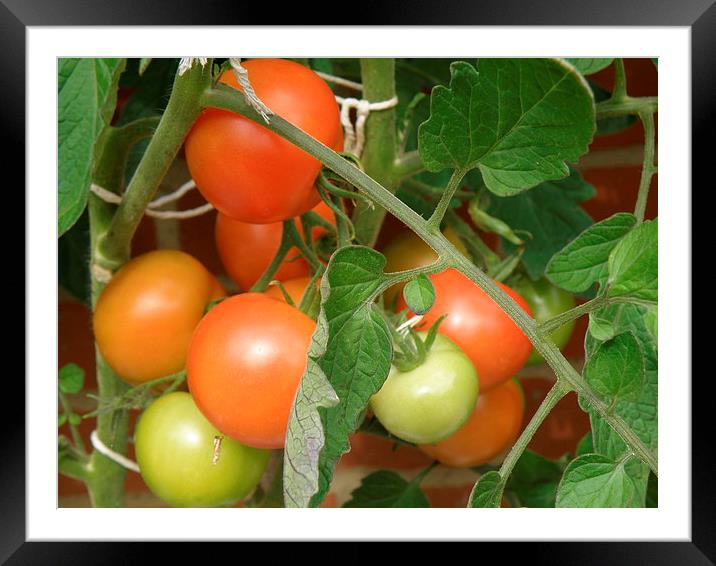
(546, 301)
(175, 452)
(432, 401)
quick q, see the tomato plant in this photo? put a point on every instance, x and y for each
(546, 301)
(493, 342)
(431, 401)
(145, 316)
(249, 173)
(490, 430)
(429, 142)
(187, 462)
(244, 364)
(246, 250)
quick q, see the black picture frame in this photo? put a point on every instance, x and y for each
(699, 15)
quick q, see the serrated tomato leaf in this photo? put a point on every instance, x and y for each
(518, 120)
(584, 261)
(546, 217)
(615, 370)
(487, 491)
(633, 264)
(386, 488)
(87, 92)
(589, 66)
(593, 480)
(348, 361)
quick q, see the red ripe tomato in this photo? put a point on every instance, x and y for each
(145, 316)
(250, 173)
(494, 343)
(246, 250)
(245, 362)
(492, 428)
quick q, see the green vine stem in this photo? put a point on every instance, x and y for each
(379, 154)
(620, 82)
(283, 248)
(443, 204)
(407, 165)
(554, 396)
(74, 431)
(182, 110)
(228, 99)
(626, 107)
(648, 168)
(549, 326)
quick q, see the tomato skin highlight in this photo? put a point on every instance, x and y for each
(250, 173)
(174, 446)
(246, 250)
(496, 345)
(147, 313)
(547, 301)
(431, 401)
(245, 362)
(490, 430)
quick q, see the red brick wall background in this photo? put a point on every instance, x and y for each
(613, 166)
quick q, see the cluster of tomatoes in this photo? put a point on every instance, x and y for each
(244, 355)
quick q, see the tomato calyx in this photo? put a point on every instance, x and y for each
(410, 349)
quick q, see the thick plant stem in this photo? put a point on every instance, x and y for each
(648, 168)
(379, 154)
(224, 98)
(105, 478)
(181, 112)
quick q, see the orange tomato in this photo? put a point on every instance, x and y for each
(246, 250)
(245, 362)
(492, 428)
(145, 316)
(294, 287)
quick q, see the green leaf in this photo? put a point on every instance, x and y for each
(633, 264)
(652, 491)
(593, 480)
(348, 361)
(419, 294)
(518, 120)
(589, 66)
(73, 256)
(87, 92)
(639, 413)
(151, 90)
(584, 261)
(651, 320)
(71, 378)
(61, 419)
(586, 445)
(534, 480)
(387, 489)
(616, 368)
(487, 492)
(75, 419)
(546, 218)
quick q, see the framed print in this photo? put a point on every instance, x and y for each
(359, 282)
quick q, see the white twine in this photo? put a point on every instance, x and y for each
(339, 81)
(354, 138)
(101, 447)
(112, 198)
(242, 77)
